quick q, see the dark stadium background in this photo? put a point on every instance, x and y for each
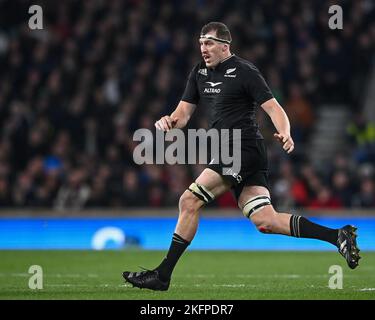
(72, 95)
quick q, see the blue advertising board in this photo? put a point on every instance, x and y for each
(154, 233)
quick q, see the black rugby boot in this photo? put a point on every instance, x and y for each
(347, 245)
(148, 279)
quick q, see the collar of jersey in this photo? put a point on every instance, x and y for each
(226, 59)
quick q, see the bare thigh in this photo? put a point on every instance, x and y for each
(213, 181)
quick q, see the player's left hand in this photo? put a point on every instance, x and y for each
(286, 140)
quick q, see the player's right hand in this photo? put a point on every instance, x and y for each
(166, 123)
(286, 140)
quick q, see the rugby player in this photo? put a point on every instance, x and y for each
(231, 88)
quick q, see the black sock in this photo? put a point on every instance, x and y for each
(300, 227)
(175, 251)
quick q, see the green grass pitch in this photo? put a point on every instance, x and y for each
(202, 275)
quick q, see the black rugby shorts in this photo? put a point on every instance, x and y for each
(254, 167)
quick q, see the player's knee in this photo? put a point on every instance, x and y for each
(262, 225)
(264, 228)
(188, 203)
(264, 220)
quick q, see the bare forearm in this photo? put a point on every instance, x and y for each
(280, 121)
(278, 116)
(178, 119)
(182, 118)
(182, 113)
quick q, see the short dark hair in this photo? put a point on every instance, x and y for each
(222, 31)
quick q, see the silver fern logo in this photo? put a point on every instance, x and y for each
(229, 73)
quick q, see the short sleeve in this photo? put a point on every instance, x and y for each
(256, 86)
(191, 93)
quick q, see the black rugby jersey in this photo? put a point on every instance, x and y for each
(231, 93)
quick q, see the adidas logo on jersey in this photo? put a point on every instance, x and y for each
(203, 71)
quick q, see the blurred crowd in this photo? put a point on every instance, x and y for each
(72, 94)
